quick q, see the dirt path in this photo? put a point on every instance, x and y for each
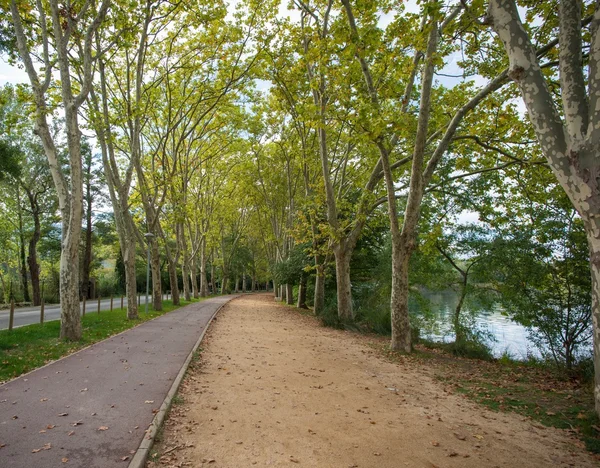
(274, 388)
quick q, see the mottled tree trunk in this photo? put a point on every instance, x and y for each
(128, 252)
(87, 255)
(275, 290)
(22, 260)
(32, 261)
(302, 293)
(69, 193)
(342, 276)
(34, 270)
(224, 284)
(194, 276)
(156, 274)
(185, 267)
(569, 139)
(213, 289)
(401, 335)
(319, 299)
(459, 332)
(172, 267)
(203, 283)
(289, 294)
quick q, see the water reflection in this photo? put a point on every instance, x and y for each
(507, 336)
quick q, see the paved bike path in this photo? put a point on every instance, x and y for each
(91, 409)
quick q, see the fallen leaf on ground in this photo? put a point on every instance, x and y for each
(71, 433)
(125, 458)
(64, 460)
(435, 443)
(50, 426)
(44, 399)
(77, 423)
(63, 414)
(47, 446)
(103, 428)
(149, 402)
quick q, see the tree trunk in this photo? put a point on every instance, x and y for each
(568, 138)
(237, 283)
(194, 276)
(156, 274)
(185, 274)
(401, 336)
(593, 235)
(275, 290)
(203, 284)
(69, 193)
(302, 293)
(253, 283)
(342, 276)
(34, 266)
(319, 299)
(130, 279)
(87, 255)
(213, 287)
(459, 335)
(244, 283)
(22, 260)
(224, 281)
(289, 294)
(173, 280)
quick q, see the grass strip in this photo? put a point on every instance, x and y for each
(26, 348)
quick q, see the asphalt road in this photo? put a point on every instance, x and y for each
(91, 409)
(29, 315)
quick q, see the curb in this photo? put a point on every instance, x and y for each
(141, 454)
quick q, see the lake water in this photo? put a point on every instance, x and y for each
(508, 336)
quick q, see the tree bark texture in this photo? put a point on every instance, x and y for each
(203, 281)
(156, 274)
(302, 293)
(571, 141)
(289, 293)
(319, 299)
(342, 276)
(22, 259)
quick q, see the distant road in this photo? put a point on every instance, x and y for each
(29, 315)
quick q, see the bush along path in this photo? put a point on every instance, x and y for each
(274, 388)
(92, 408)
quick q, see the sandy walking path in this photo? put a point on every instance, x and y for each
(274, 388)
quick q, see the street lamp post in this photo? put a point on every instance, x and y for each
(148, 237)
